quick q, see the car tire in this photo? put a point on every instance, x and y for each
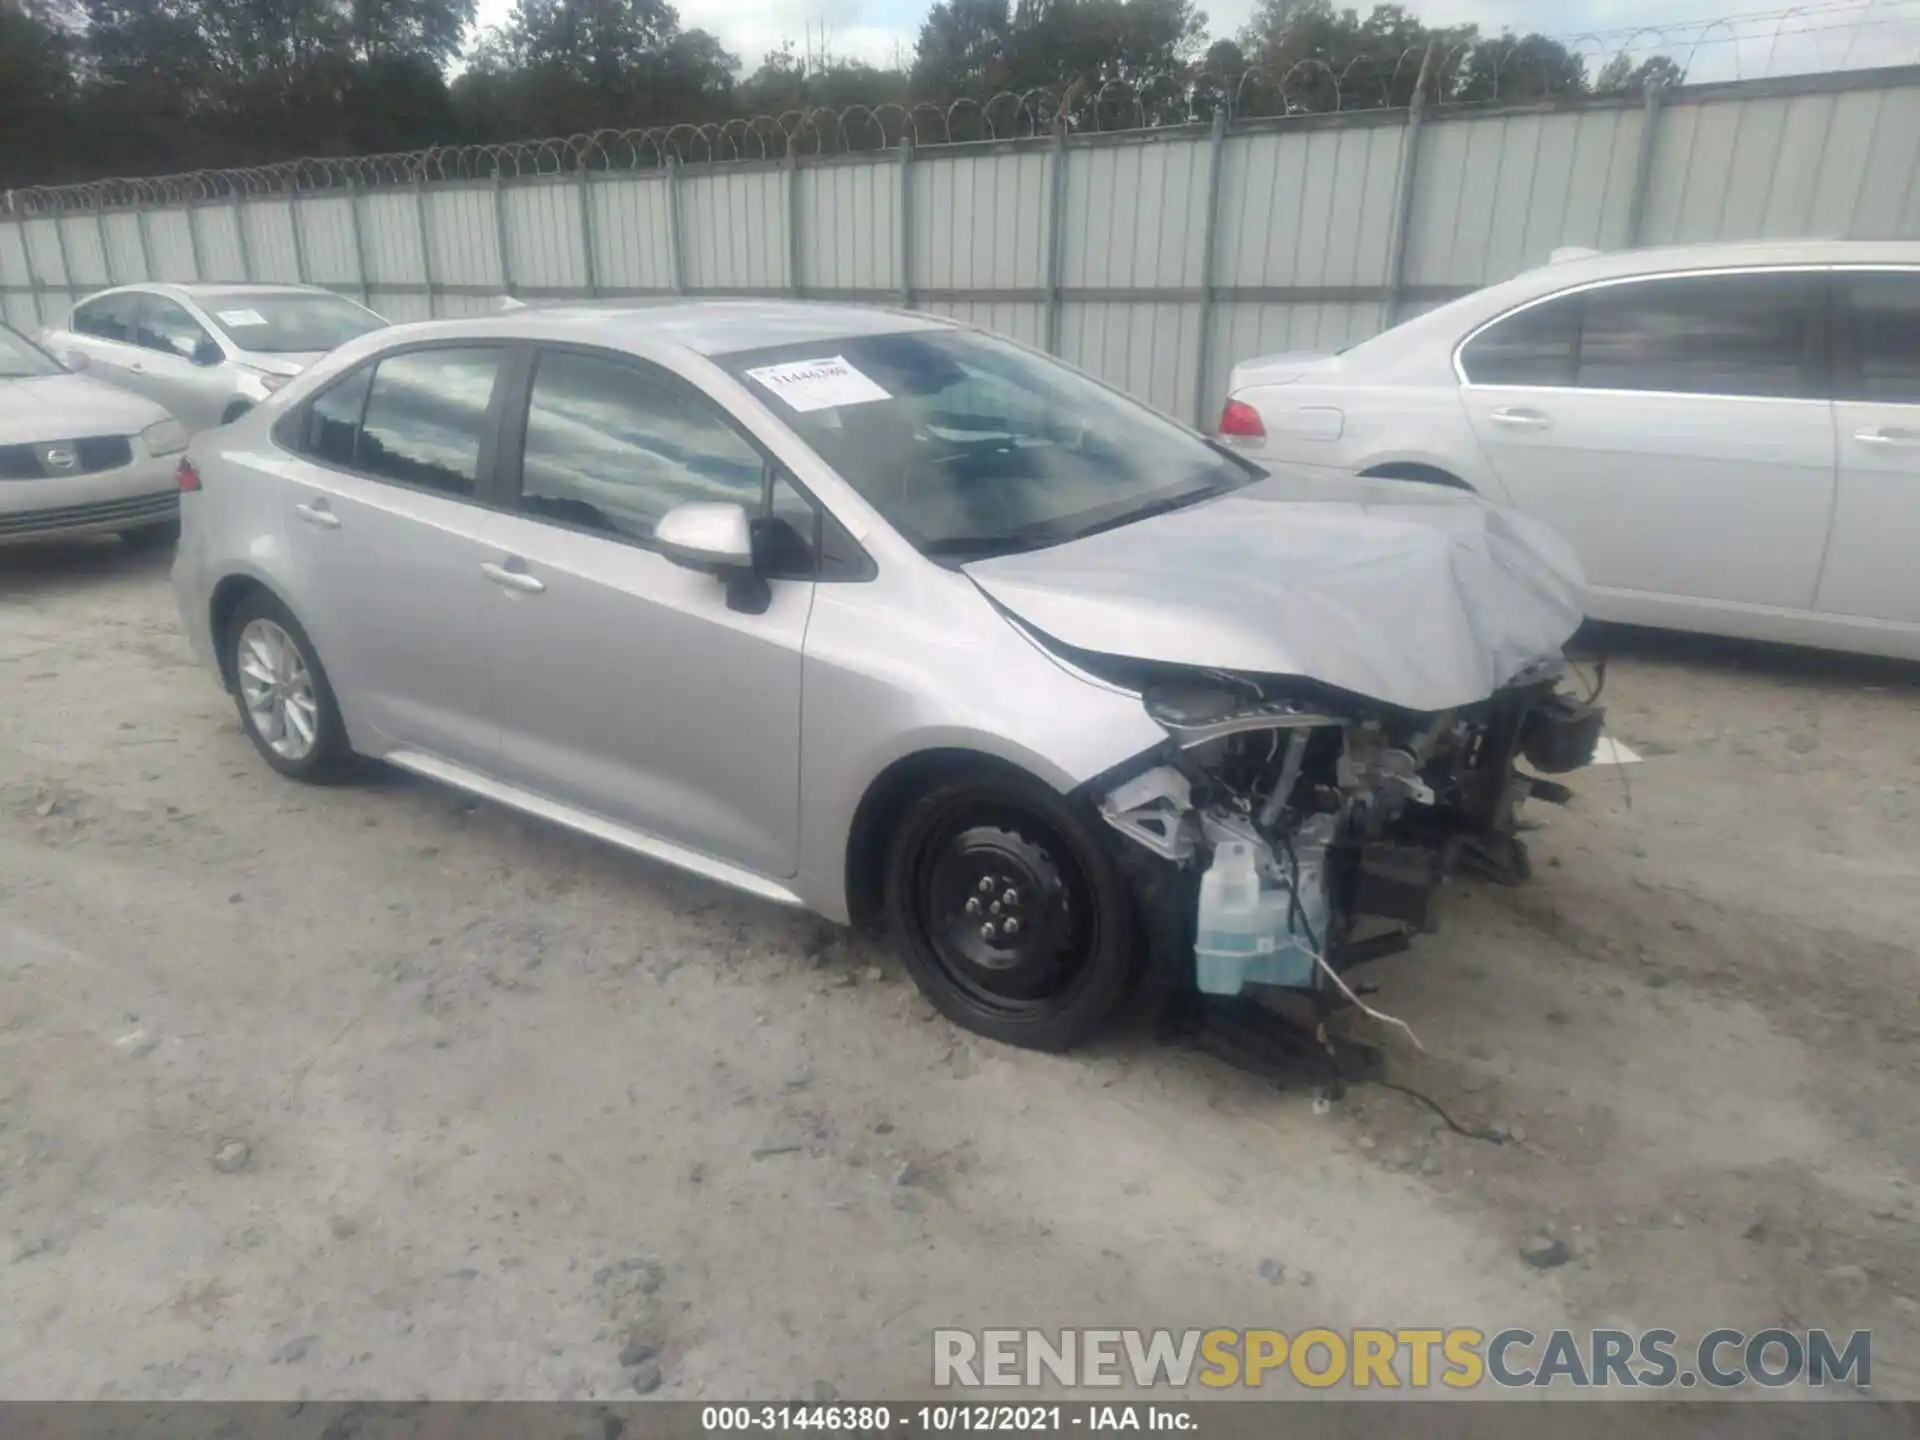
(286, 703)
(152, 537)
(1011, 915)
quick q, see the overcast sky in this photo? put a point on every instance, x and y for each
(1822, 35)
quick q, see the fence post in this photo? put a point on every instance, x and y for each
(140, 234)
(500, 237)
(66, 265)
(1403, 197)
(240, 233)
(1056, 243)
(1643, 165)
(193, 242)
(299, 235)
(676, 268)
(906, 223)
(794, 287)
(426, 241)
(1217, 149)
(359, 243)
(106, 247)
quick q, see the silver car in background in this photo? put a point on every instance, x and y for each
(209, 353)
(81, 458)
(881, 615)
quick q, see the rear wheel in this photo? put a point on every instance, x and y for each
(1014, 920)
(286, 705)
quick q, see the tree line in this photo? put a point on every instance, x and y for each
(91, 88)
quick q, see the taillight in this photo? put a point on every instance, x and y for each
(1240, 418)
(186, 476)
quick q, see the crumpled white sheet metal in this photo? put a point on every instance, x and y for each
(1426, 600)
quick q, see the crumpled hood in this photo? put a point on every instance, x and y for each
(1427, 601)
(274, 363)
(41, 408)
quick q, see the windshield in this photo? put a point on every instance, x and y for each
(973, 447)
(21, 358)
(281, 324)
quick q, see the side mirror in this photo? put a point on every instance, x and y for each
(208, 352)
(707, 536)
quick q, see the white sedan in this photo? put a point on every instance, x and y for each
(78, 457)
(1729, 435)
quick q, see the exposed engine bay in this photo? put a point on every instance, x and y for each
(1311, 830)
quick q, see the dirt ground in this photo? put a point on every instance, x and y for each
(508, 1101)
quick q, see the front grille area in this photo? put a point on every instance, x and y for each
(138, 510)
(88, 456)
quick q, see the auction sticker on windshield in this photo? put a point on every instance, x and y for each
(242, 317)
(824, 384)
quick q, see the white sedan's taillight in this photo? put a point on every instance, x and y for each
(1241, 421)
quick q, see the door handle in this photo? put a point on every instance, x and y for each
(318, 515)
(1519, 419)
(1904, 439)
(512, 579)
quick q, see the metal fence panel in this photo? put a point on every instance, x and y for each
(390, 226)
(271, 251)
(21, 307)
(850, 225)
(632, 242)
(1134, 216)
(1307, 208)
(172, 244)
(326, 230)
(465, 237)
(1022, 320)
(126, 247)
(543, 234)
(221, 254)
(979, 221)
(733, 229)
(1150, 351)
(86, 253)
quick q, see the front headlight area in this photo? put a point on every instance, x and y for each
(164, 437)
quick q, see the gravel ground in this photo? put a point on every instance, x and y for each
(373, 1092)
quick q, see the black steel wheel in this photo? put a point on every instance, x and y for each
(1014, 920)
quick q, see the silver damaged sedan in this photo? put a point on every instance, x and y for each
(889, 618)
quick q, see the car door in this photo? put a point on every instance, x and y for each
(387, 530)
(180, 363)
(1675, 429)
(631, 687)
(1871, 568)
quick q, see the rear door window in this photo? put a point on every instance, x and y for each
(427, 417)
(108, 317)
(1746, 334)
(1877, 316)
(332, 430)
(1535, 346)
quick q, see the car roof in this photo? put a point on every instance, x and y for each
(199, 289)
(1608, 265)
(705, 327)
